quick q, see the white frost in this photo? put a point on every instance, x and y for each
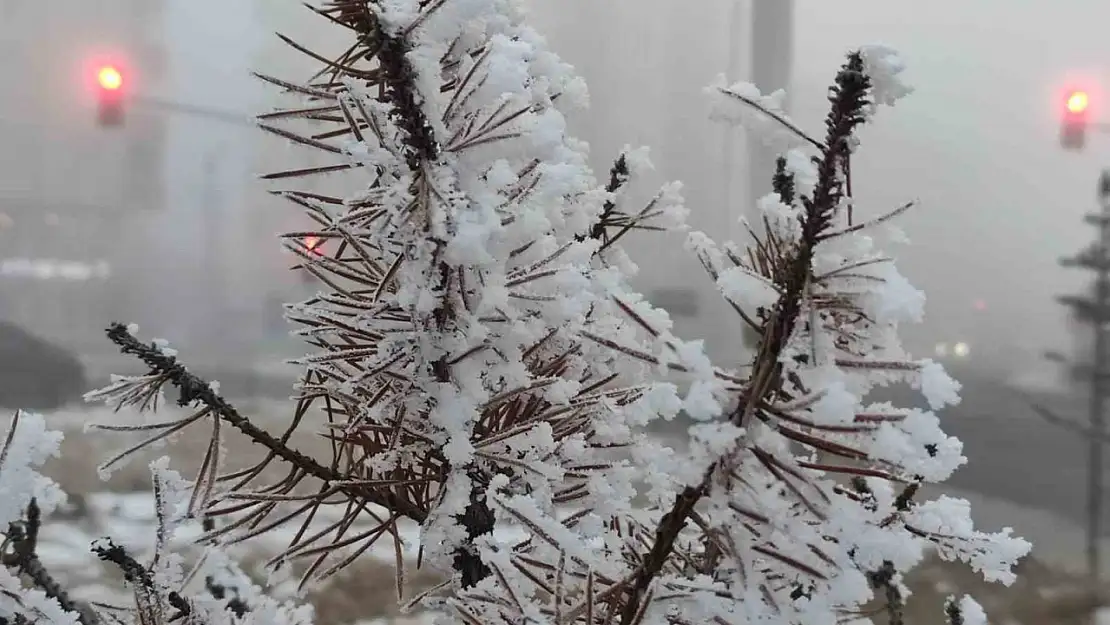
(937, 386)
(972, 612)
(884, 66)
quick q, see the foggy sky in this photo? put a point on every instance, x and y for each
(976, 144)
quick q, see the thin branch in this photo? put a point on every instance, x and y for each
(778, 117)
(863, 225)
(193, 389)
(23, 537)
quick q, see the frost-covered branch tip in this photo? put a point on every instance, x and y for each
(165, 591)
(30, 594)
(25, 496)
(827, 306)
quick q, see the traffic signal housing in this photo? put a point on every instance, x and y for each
(1073, 130)
(109, 96)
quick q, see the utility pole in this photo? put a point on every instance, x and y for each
(736, 36)
(768, 60)
(1098, 371)
(772, 64)
(1094, 310)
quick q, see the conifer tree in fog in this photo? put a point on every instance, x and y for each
(487, 374)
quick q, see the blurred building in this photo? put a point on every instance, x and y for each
(73, 195)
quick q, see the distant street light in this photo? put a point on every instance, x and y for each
(1073, 129)
(1078, 106)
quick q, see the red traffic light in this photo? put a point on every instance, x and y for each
(1073, 131)
(109, 95)
(1077, 102)
(314, 245)
(109, 78)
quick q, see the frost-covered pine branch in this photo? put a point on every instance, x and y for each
(809, 490)
(164, 590)
(28, 592)
(466, 343)
(486, 372)
(475, 297)
(213, 590)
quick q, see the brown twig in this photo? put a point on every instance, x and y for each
(193, 389)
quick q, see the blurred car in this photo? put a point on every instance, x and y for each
(958, 350)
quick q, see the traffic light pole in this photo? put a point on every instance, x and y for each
(193, 110)
(1098, 395)
(772, 52)
(1095, 310)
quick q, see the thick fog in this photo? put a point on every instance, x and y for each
(976, 146)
